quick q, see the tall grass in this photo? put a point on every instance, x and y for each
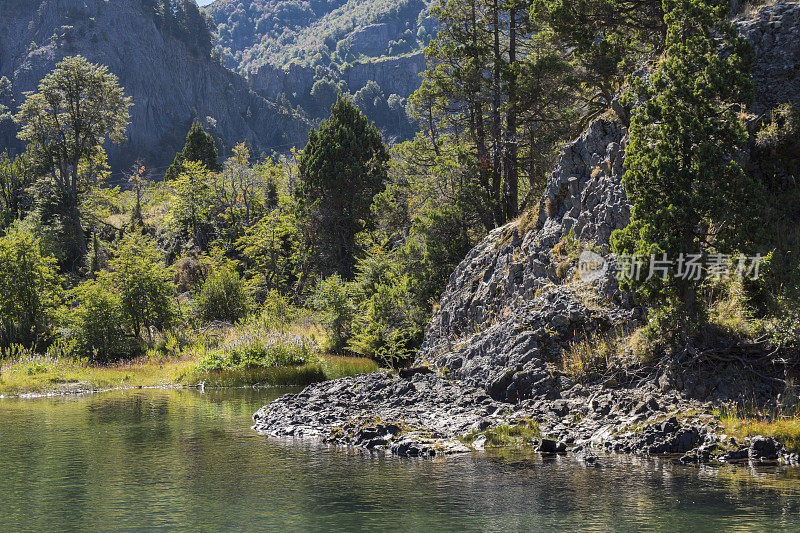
(781, 423)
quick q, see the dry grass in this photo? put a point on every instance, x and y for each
(782, 425)
(591, 356)
(42, 374)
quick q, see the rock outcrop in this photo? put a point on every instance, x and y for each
(519, 298)
(170, 86)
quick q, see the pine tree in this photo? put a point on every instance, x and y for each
(199, 147)
(341, 169)
(689, 195)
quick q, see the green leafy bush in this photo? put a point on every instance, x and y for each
(144, 285)
(223, 296)
(99, 324)
(29, 292)
(389, 324)
(252, 347)
(334, 298)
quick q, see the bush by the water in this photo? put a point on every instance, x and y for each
(251, 348)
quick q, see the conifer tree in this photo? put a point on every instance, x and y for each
(689, 195)
(341, 169)
(199, 147)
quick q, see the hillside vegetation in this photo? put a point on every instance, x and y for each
(251, 34)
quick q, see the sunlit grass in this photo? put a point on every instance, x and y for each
(331, 367)
(782, 426)
(55, 375)
(518, 434)
(43, 375)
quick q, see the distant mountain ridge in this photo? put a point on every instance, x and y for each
(301, 53)
(172, 80)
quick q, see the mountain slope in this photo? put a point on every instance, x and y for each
(259, 32)
(302, 53)
(171, 79)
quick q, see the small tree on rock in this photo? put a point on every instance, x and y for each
(689, 194)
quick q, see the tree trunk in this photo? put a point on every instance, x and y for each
(496, 134)
(511, 163)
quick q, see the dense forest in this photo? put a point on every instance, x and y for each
(362, 238)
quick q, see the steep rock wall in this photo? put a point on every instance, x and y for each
(169, 85)
(396, 75)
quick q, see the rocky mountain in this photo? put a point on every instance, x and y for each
(513, 306)
(170, 79)
(287, 47)
(254, 33)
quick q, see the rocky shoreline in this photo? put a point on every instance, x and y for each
(424, 414)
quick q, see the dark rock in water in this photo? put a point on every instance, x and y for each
(735, 456)
(420, 416)
(764, 449)
(548, 446)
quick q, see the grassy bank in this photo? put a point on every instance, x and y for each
(782, 426)
(43, 375)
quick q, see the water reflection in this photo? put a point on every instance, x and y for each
(179, 459)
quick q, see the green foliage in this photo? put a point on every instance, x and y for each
(389, 324)
(98, 322)
(270, 249)
(334, 299)
(144, 285)
(777, 151)
(191, 208)
(78, 105)
(199, 148)
(607, 40)
(249, 348)
(183, 20)
(223, 296)
(341, 169)
(260, 31)
(687, 191)
(29, 293)
(16, 175)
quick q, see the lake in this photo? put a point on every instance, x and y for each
(160, 460)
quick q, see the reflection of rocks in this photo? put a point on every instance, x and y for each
(512, 306)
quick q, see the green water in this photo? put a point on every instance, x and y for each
(158, 460)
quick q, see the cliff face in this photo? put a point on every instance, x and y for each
(169, 85)
(514, 302)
